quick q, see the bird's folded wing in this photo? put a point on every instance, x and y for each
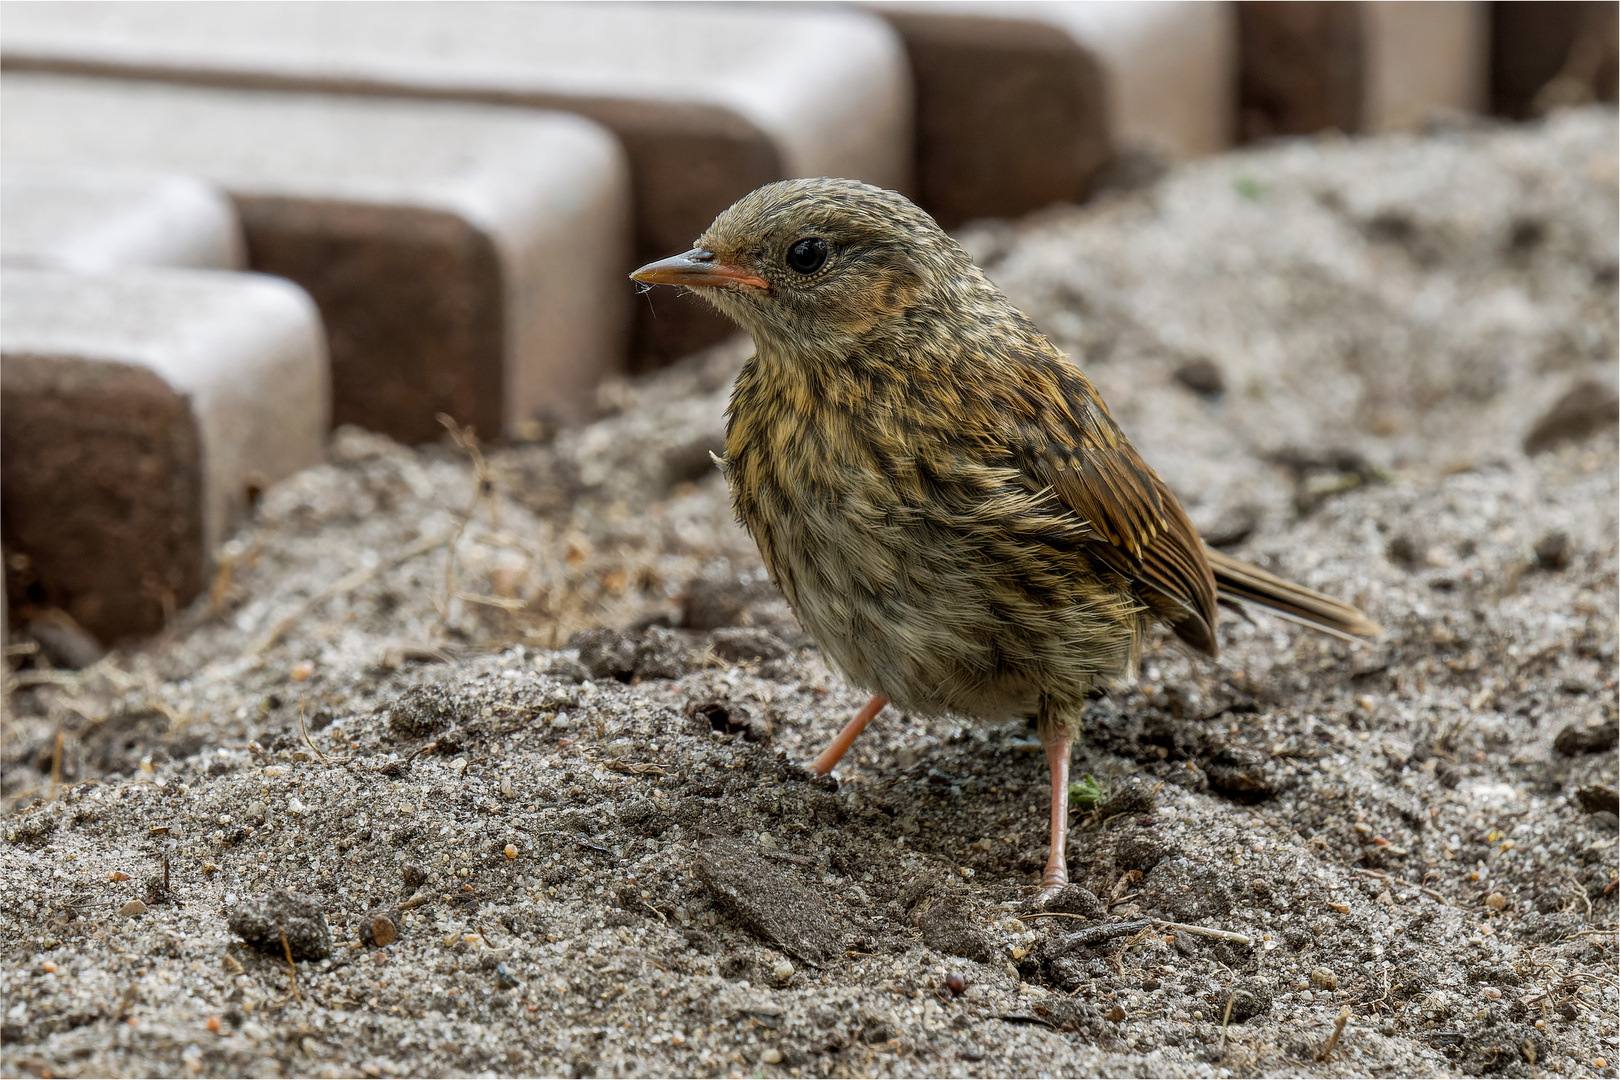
(1078, 452)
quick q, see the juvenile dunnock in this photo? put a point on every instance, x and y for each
(939, 492)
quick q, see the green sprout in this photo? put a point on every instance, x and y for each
(1248, 187)
(1086, 793)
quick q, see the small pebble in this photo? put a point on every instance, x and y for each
(955, 983)
(772, 1056)
(511, 851)
(49, 967)
(1323, 979)
(1116, 1014)
(117, 875)
(134, 907)
(275, 770)
(296, 805)
(383, 931)
(1599, 1063)
(504, 976)
(1496, 901)
(213, 1024)
(458, 764)
(782, 971)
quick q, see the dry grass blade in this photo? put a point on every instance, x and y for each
(1333, 1039)
(467, 440)
(1204, 931)
(292, 969)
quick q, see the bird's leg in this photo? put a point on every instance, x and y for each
(1057, 865)
(835, 749)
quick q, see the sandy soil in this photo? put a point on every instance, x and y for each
(508, 747)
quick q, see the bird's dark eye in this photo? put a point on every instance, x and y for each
(808, 255)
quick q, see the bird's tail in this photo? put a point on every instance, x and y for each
(1238, 582)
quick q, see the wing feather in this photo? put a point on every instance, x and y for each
(1079, 453)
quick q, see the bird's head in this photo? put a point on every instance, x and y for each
(821, 266)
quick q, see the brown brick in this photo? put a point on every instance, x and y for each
(1384, 65)
(1552, 52)
(1020, 105)
(1011, 114)
(140, 413)
(1302, 67)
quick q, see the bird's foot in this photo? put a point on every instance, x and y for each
(1053, 882)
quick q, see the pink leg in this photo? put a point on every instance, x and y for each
(1057, 866)
(835, 749)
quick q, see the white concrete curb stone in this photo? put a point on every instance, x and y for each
(93, 219)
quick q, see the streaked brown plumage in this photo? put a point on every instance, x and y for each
(939, 492)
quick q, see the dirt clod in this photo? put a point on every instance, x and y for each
(1596, 798)
(423, 711)
(1587, 407)
(1553, 551)
(1587, 738)
(1074, 900)
(264, 920)
(767, 899)
(1202, 376)
(1250, 998)
(947, 929)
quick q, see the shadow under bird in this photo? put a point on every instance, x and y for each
(939, 492)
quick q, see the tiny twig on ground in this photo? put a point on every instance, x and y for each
(1093, 934)
(1338, 1030)
(304, 731)
(1204, 931)
(292, 969)
(1580, 890)
(1381, 876)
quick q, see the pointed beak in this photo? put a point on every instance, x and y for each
(697, 268)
